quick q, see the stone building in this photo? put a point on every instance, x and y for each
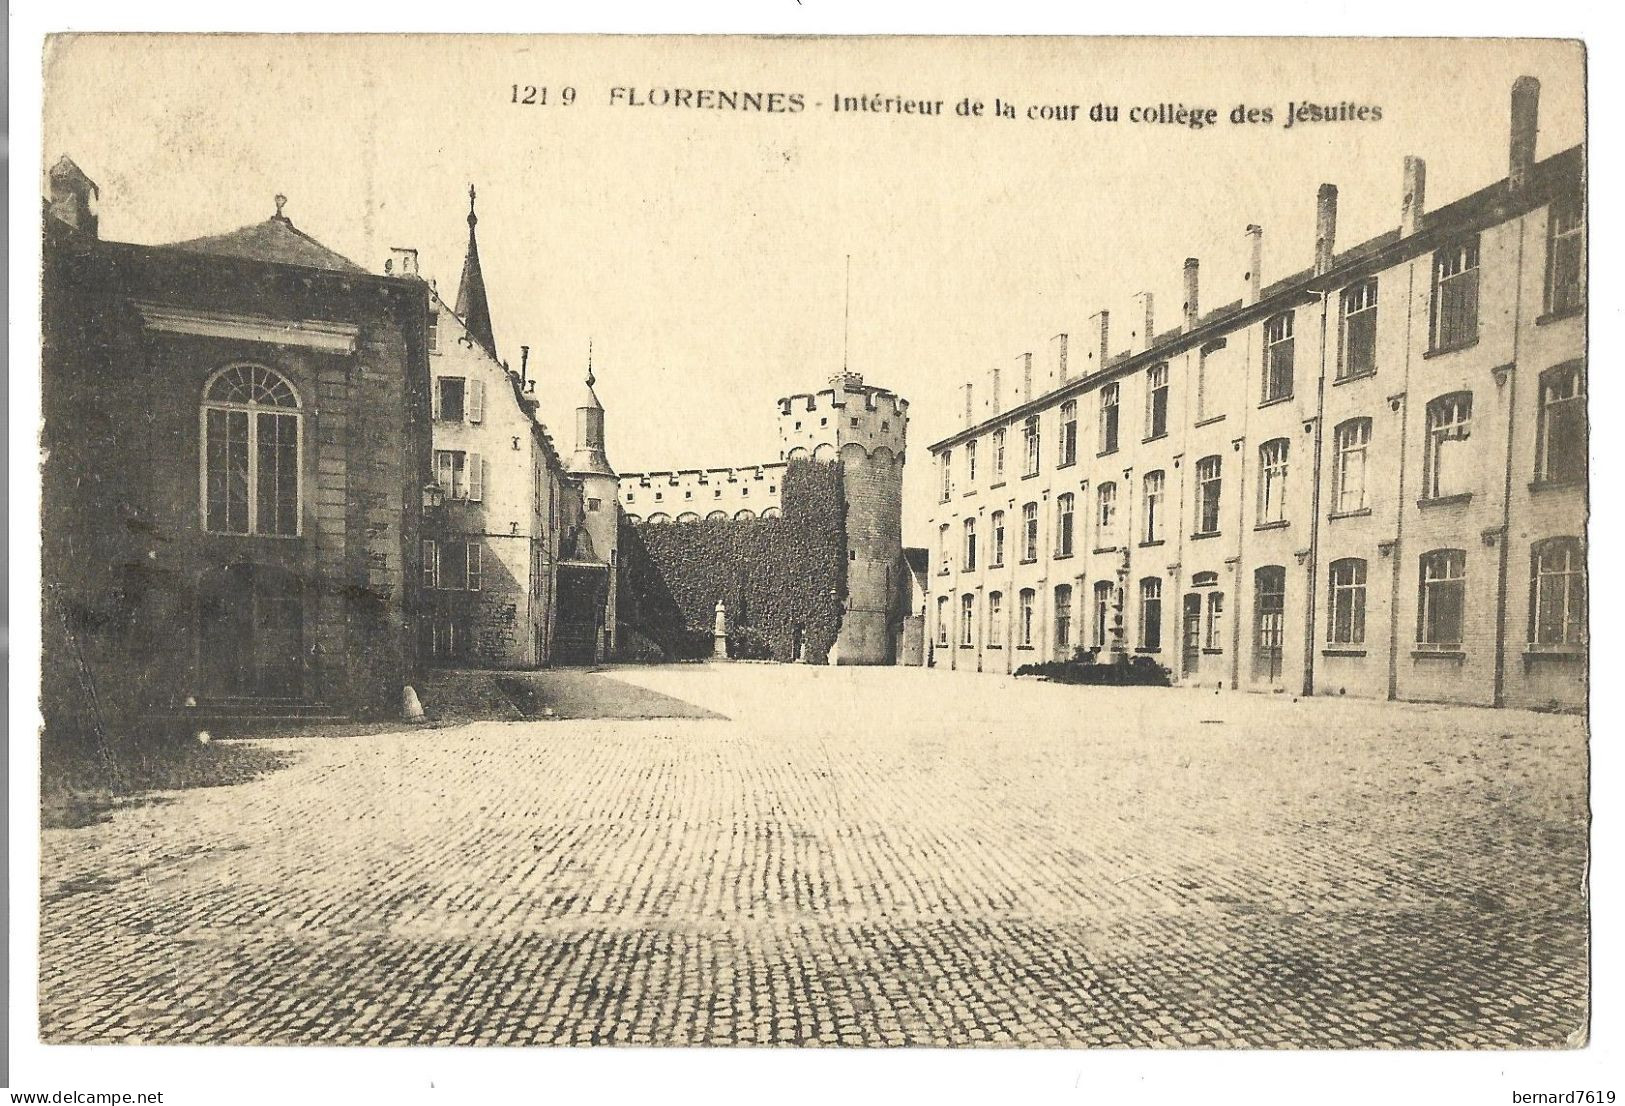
(859, 429)
(1367, 478)
(500, 500)
(236, 436)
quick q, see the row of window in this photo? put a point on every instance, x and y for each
(1453, 324)
(688, 493)
(1557, 608)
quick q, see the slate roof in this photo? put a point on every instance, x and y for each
(276, 239)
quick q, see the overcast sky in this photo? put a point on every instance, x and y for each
(703, 251)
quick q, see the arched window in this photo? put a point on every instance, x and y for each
(1441, 599)
(688, 516)
(1151, 507)
(1557, 592)
(717, 516)
(771, 512)
(1063, 524)
(942, 621)
(1449, 425)
(1026, 613)
(252, 453)
(995, 620)
(1351, 442)
(1151, 614)
(1269, 621)
(970, 545)
(1069, 432)
(1209, 487)
(967, 620)
(1103, 623)
(997, 557)
(1560, 446)
(744, 515)
(1272, 457)
(1063, 619)
(1105, 513)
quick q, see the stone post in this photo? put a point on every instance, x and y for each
(719, 632)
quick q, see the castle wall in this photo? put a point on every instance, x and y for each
(743, 491)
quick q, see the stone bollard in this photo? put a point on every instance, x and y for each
(411, 709)
(719, 632)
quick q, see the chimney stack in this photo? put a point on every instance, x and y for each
(1060, 358)
(1026, 377)
(403, 261)
(997, 396)
(1255, 263)
(1525, 125)
(1414, 204)
(524, 363)
(1140, 340)
(970, 406)
(1192, 310)
(1100, 348)
(1325, 228)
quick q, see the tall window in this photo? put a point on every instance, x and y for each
(1151, 613)
(1108, 418)
(1278, 346)
(1209, 372)
(1352, 441)
(970, 463)
(1213, 639)
(461, 475)
(1561, 445)
(995, 619)
(967, 620)
(1151, 505)
(1063, 524)
(1029, 439)
(432, 338)
(942, 621)
(1357, 352)
(1209, 486)
(947, 474)
(1156, 401)
(1106, 518)
(251, 453)
(943, 554)
(997, 557)
(998, 454)
(431, 563)
(1557, 593)
(1272, 457)
(1103, 614)
(1063, 618)
(1455, 295)
(458, 566)
(457, 399)
(1029, 532)
(1269, 621)
(1442, 600)
(1449, 425)
(970, 545)
(1345, 622)
(1566, 255)
(1069, 432)
(1024, 617)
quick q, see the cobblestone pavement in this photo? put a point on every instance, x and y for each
(857, 857)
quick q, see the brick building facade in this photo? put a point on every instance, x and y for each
(1368, 478)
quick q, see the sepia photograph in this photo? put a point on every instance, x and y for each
(859, 543)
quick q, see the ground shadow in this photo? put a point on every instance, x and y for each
(586, 695)
(81, 787)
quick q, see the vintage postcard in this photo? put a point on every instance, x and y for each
(858, 542)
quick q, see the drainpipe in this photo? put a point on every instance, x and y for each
(1510, 383)
(1314, 511)
(1400, 403)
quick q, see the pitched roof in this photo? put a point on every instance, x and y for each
(472, 307)
(276, 239)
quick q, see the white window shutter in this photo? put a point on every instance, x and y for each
(434, 398)
(474, 566)
(476, 477)
(476, 400)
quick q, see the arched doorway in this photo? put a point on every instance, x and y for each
(251, 632)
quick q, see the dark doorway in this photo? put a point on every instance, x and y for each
(1191, 636)
(582, 591)
(251, 632)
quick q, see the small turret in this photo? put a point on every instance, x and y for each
(472, 306)
(590, 458)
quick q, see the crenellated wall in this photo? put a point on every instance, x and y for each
(742, 492)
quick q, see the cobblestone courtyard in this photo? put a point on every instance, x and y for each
(855, 857)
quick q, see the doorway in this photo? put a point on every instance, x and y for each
(251, 630)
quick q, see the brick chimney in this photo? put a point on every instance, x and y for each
(1525, 126)
(1192, 288)
(1325, 228)
(970, 405)
(1060, 358)
(1026, 377)
(402, 261)
(1413, 206)
(998, 396)
(1100, 330)
(1255, 263)
(1145, 321)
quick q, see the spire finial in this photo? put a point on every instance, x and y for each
(591, 379)
(472, 218)
(281, 202)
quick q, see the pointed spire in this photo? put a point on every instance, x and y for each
(472, 307)
(589, 457)
(591, 379)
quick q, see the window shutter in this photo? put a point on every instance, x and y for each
(434, 399)
(474, 566)
(431, 564)
(476, 400)
(476, 477)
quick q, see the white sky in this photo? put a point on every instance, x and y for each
(703, 251)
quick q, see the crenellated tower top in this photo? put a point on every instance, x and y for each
(848, 412)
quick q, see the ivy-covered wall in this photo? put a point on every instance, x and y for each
(777, 576)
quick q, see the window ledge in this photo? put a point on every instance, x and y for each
(1275, 400)
(1440, 351)
(1151, 543)
(1537, 651)
(995, 484)
(1026, 648)
(1352, 377)
(1342, 651)
(1206, 652)
(1445, 653)
(1278, 524)
(1107, 548)
(1209, 421)
(1061, 557)
(1153, 438)
(1066, 464)
(962, 645)
(1556, 485)
(1106, 452)
(963, 494)
(1029, 561)
(1202, 537)
(1561, 313)
(1142, 651)
(1360, 512)
(995, 564)
(1029, 476)
(1444, 500)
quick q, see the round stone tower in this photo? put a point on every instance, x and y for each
(865, 428)
(600, 494)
